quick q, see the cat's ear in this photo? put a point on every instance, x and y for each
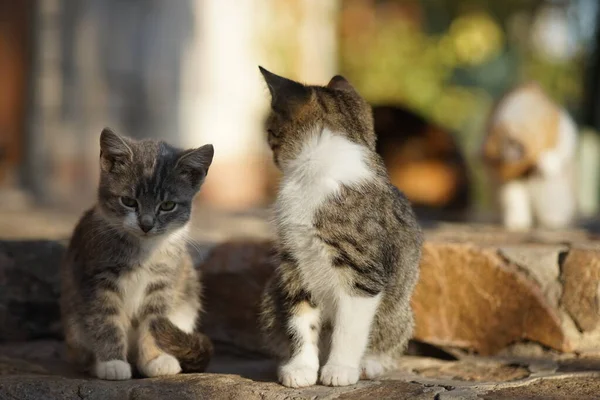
(193, 164)
(114, 150)
(338, 82)
(285, 93)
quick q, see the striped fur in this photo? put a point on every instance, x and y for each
(349, 244)
(129, 294)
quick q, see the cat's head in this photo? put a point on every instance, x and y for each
(522, 125)
(147, 187)
(300, 111)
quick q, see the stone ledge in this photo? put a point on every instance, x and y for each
(481, 289)
(36, 370)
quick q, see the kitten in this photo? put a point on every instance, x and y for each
(530, 148)
(348, 241)
(130, 292)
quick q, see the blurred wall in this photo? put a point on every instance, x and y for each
(185, 71)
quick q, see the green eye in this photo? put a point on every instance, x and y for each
(167, 206)
(129, 202)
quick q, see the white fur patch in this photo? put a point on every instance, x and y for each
(558, 161)
(516, 207)
(521, 107)
(114, 370)
(326, 162)
(339, 375)
(165, 364)
(133, 287)
(349, 339)
(553, 194)
(302, 369)
(296, 375)
(130, 223)
(351, 329)
(184, 317)
(371, 368)
(553, 199)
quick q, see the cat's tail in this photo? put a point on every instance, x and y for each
(192, 350)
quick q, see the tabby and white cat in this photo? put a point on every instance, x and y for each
(530, 148)
(129, 290)
(348, 241)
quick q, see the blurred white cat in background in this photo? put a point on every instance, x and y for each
(531, 149)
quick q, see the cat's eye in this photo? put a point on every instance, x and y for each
(167, 206)
(128, 202)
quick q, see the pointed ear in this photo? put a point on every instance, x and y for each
(114, 150)
(193, 164)
(338, 82)
(285, 93)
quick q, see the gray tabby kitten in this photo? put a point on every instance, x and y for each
(349, 244)
(130, 292)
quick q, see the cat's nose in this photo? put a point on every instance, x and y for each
(146, 223)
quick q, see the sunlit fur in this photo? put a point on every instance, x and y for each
(348, 241)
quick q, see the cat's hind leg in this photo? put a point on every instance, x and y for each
(390, 334)
(393, 324)
(290, 325)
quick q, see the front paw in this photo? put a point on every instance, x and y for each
(297, 375)
(165, 364)
(339, 375)
(113, 370)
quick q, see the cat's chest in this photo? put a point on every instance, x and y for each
(134, 285)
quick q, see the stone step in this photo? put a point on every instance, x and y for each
(481, 289)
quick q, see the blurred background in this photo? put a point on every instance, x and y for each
(186, 71)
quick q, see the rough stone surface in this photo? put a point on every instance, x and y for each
(234, 275)
(541, 263)
(469, 297)
(581, 281)
(481, 289)
(29, 289)
(36, 370)
(580, 388)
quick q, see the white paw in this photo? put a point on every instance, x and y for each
(113, 370)
(297, 375)
(517, 223)
(371, 368)
(165, 364)
(339, 375)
